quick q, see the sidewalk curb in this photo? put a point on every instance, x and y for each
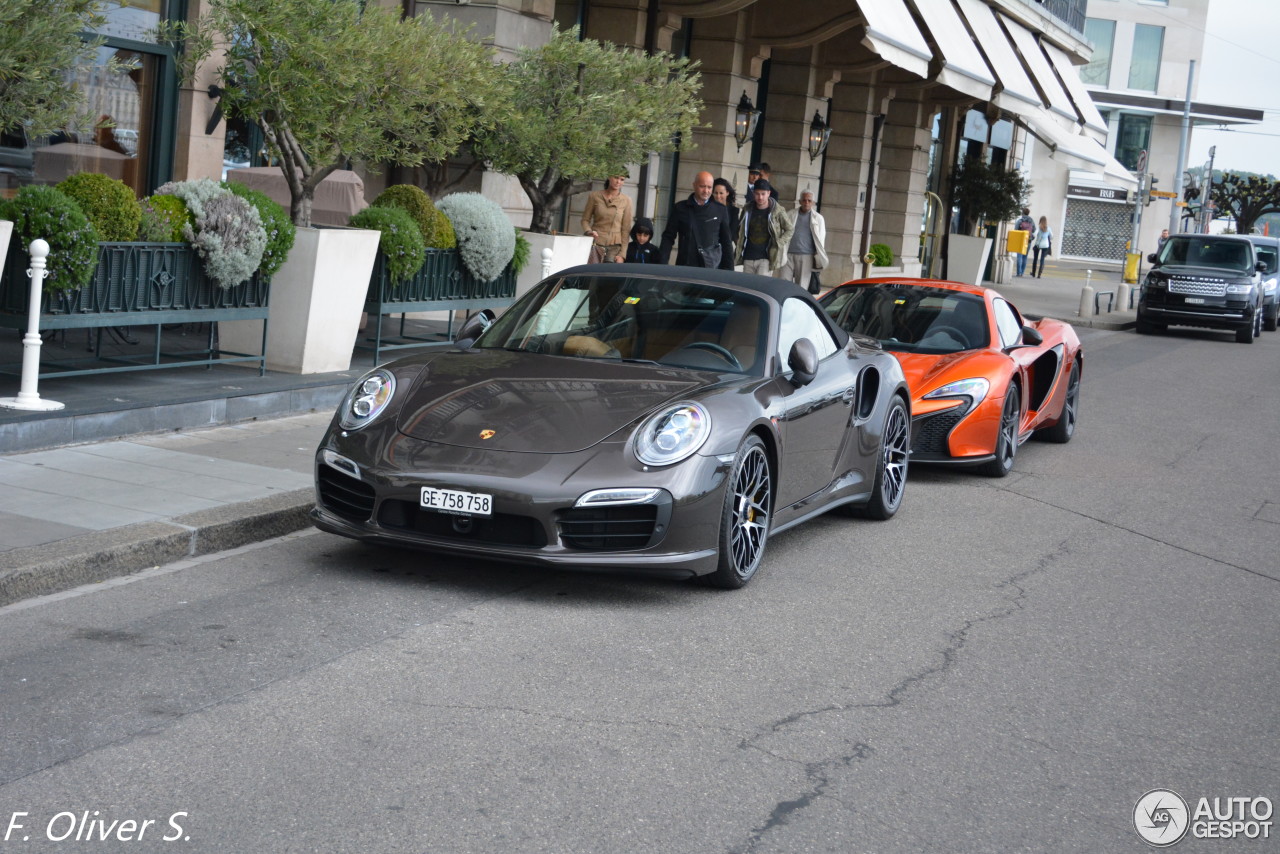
(54, 567)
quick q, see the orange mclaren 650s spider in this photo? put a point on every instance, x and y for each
(983, 380)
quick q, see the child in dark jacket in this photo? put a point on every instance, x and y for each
(641, 249)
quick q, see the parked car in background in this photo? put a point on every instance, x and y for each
(622, 416)
(1207, 280)
(1268, 251)
(983, 379)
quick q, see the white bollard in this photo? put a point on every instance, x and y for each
(1086, 296)
(1122, 296)
(28, 397)
(547, 255)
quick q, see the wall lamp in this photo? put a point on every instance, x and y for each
(819, 136)
(745, 119)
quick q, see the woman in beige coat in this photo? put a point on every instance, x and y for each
(607, 220)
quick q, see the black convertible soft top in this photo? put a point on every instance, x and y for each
(776, 290)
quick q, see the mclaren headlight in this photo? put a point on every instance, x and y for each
(971, 390)
(367, 399)
(673, 434)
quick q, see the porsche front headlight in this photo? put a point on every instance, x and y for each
(673, 434)
(367, 399)
(973, 390)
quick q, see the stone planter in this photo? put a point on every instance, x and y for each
(315, 302)
(967, 258)
(567, 250)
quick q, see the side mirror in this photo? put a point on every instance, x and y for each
(1152, 258)
(1262, 267)
(803, 362)
(1031, 336)
(473, 328)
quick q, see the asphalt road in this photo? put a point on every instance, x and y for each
(1009, 665)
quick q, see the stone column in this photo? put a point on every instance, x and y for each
(854, 106)
(903, 174)
(798, 88)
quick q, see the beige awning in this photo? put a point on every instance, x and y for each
(1070, 76)
(960, 65)
(1055, 98)
(1013, 91)
(1075, 150)
(893, 35)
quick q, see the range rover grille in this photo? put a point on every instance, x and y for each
(1198, 287)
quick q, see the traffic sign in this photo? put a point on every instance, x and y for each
(1163, 194)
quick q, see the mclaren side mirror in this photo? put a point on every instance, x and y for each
(803, 362)
(473, 328)
(1031, 336)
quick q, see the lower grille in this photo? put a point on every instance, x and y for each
(929, 434)
(620, 528)
(344, 495)
(502, 529)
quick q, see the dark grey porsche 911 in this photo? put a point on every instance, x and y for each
(659, 419)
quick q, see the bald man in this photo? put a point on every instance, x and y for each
(702, 226)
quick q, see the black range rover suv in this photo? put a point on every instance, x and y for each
(1209, 280)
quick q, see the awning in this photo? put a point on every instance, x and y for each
(1075, 150)
(1013, 91)
(961, 66)
(1054, 96)
(1070, 77)
(892, 33)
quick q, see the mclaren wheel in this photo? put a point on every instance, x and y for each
(1007, 436)
(748, 512)
(891, 471)
(1066, 426)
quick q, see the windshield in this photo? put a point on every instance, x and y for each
(912, 319)
(1206, 251)
(664, 321)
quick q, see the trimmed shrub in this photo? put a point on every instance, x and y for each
(881, 254)
(280, 229)
(486, 240)
(163, 218)
(108, 203)
(226, 231)
(48, 214)
(521, 257)
(437, 231)
(401, 240)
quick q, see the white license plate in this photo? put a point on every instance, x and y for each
(1195, 300)
(455, 501)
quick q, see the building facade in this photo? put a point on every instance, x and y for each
(1139, 78)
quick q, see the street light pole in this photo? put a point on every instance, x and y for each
(1175, 212)
(1206, 206)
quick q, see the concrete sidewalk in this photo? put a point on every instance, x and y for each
(147, 468)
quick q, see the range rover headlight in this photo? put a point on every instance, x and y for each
(973, 390)
(1156, 283)
(1240, 288)
(673, 434)
(367, 399)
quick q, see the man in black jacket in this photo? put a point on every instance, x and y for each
(702, 226)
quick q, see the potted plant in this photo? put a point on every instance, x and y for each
(985, 193)
(419, 88)
(581, 109)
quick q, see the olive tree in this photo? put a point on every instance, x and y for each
(580, 110)
(330, 81)
(987, 192)
(40, 46)
(1245, 197)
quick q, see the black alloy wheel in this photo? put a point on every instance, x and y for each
(1269, 318)
(748, 512)
(1007, 436)
(1066, 426)
(891, 472)
(1246, 336)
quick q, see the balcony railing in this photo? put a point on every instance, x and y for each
(1070, 12)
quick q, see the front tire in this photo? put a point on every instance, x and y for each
(747, 514)
(1007, 435)
(1066, 426)
(1246, 335)
(891, 469)
(1269, 320)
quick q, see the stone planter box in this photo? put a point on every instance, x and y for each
(442, 284)
(137, 284)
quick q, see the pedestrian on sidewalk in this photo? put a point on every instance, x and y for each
(807, 253)
(641, 249)
(1024, 223)
(607, 220)
(700, 227)
(765, 233)
(1041, 247)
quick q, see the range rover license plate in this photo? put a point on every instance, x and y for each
(454, 501)
(1195, 300)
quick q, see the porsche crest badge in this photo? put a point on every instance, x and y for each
(487, 434)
